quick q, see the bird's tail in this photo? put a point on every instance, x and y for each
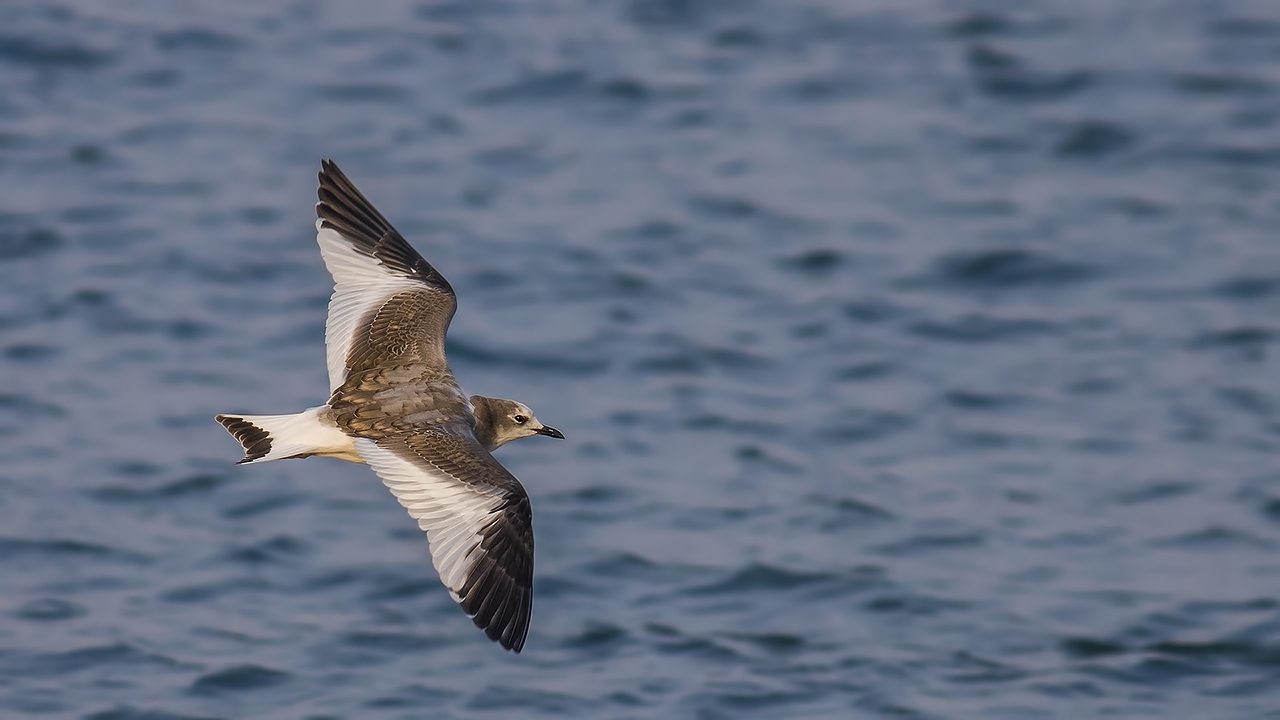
(276, 437)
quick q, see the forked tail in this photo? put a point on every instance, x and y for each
(276, 437)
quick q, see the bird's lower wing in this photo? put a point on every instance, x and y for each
(477, 520)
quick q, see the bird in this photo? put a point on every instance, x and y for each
(395, 405)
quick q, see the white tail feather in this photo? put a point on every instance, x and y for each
(276, 437)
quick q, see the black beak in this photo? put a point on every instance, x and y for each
(549, 432)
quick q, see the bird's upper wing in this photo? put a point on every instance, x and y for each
(477, 519)
(388, 302)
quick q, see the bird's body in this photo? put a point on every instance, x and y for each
(396, 406)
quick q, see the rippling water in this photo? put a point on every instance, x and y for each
(916, 359)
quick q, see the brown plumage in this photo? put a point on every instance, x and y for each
(396, 406)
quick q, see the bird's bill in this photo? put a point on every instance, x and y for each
(549, 432)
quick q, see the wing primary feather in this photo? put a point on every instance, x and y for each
(336, 189)
(345, 209)
(493, 612)
(477, 520)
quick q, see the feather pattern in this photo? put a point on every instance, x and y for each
(371, 264)
(477, 520)
(394, 395)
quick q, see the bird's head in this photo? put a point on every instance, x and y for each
(498, 422)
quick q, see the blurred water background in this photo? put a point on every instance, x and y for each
(917, 359)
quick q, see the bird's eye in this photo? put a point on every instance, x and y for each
(520, 419)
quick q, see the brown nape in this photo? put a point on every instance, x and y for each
(256, 441)
(484, 428)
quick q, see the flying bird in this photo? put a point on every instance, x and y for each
(396, 406)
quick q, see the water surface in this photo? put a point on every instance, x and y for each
(916, 359)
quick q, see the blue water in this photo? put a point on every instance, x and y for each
(917, 360)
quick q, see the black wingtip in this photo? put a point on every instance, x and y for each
(498, 591)
(342, 207)
(255, 440)
(331, 173)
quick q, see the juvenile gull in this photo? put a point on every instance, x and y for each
(396, 406)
